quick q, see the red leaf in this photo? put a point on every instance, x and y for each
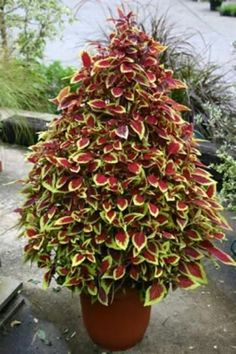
(97, 104)
(119, 272)
(139, 240)
(112, 181)
(116, 109)
(153, 180)
(138, 127)
(122, 239)
(122, 203)
(217, 253)
(154, 294)
(168, 235)
(78, 77)
(170, 168)
(172, 259)
(64, 220)
(217, 235)
(134, 273)
(201, 180)
(75, 184)
(194, 270)
(104, 63)
(181, 206)
(63, 162)
(100, 238)
(153, 209)
(211, 190)
(86, 59)
(117, 91)
(83, 158)
(126, 68)
(163, 186)
(186, 283)
(129, 96)
(193, 253)
(110, 158)
(110, 216)
(102, 297)
(150, 61)
(174, 147)
(117, 145)
(193, 235)
(82, 143)
(31, 232)
(138, 199)
(134, 167)
(100, 180)
(151, 76)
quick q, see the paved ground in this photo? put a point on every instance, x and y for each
(214, 31)
(201, 322)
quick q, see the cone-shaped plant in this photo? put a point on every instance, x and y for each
(117, 196)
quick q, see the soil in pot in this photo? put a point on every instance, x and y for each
(118, 326)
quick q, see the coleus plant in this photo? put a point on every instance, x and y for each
(117, 196)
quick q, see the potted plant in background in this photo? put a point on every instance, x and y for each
(118, 206)
(215, 4)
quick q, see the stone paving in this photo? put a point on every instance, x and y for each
(213, 31)
(202, 321)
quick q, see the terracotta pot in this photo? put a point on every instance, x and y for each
(119, 326)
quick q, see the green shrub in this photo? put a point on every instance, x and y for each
(55, 77)
(228, 9)
(22, 87)
(223, 130)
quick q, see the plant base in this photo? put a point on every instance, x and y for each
(119, 326)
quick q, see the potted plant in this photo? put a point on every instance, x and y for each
(118, 206)
(215, 4)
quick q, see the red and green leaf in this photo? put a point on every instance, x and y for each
(155, 293)
(217, 253)
(75, 184)
(100, 180)
(119, 272)
(78, 259)
(153, 209)
(82, 143)
(97, 104)
(64, 221)
(122, 239)
(135, 168)
(122, 203)
(139, 240)
(138, 127)
(117, 91)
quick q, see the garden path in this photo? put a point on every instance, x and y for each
(215, 32)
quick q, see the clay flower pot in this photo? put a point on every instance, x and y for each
(119, 326)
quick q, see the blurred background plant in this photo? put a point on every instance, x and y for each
(223, 131)
(25, 25)
(206, 81)
(26, 83)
